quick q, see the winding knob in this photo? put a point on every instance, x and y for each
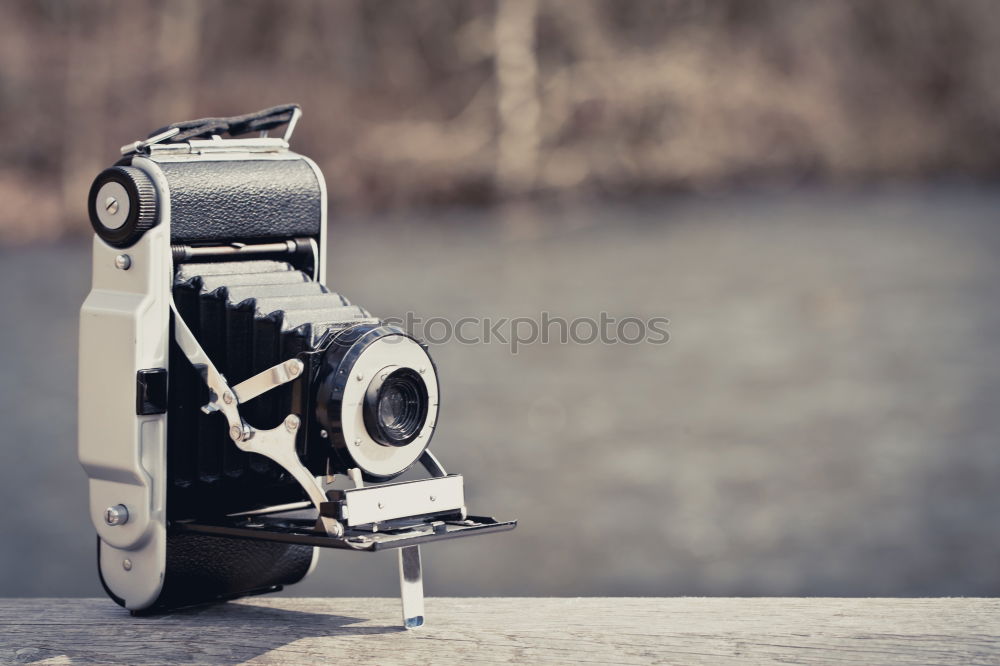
(122, 205)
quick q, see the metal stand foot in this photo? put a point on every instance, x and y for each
(411, 586)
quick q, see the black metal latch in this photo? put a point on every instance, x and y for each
(151, 391)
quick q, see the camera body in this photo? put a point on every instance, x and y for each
(224, 387)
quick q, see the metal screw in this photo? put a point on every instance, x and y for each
(111, 205)
(381, 505)
(292, 423)
(433, 498)
(423, 370)
(116, 515)
(127, 565)
(324, 434)
(357, 441)
(384, 377)
(359, 376)
(227, 397)
(123, 262)
(236, 433)
(293, 367)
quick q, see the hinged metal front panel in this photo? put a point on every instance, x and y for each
(374, 504)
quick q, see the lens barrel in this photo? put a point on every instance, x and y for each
(376, 398)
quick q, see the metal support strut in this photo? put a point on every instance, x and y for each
(411, 586)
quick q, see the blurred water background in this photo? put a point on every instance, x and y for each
(805, 189)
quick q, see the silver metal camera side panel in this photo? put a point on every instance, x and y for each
(124, 328)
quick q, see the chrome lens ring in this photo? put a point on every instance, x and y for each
(355, 365)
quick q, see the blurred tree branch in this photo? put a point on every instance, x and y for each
(477, 101)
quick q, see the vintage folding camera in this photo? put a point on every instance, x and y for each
(223, 387)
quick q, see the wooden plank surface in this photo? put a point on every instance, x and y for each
(521, 630)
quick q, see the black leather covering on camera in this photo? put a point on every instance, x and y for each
(203, 128)
(203, 569)
(242, 200)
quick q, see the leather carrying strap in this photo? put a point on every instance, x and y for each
(204, 128)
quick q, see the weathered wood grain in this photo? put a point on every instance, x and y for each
(525, 630)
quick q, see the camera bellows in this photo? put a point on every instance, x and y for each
(248, 316)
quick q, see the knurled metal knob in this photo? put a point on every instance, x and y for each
(122, 205)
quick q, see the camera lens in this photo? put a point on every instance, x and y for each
(376, 399)
(396, 409)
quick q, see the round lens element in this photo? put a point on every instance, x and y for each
(392, 407)
(396, 407)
